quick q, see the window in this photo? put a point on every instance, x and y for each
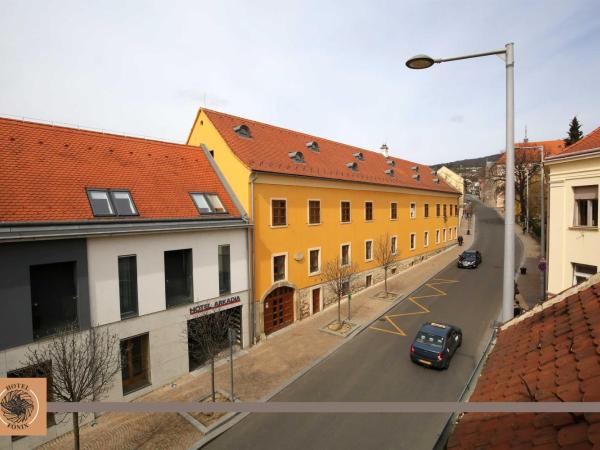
(394, 244)
(444, 234)
(314, 212)
(279, 269)
(296, 156)
(586, 206)
(368, 210)
(394, 270)
(128, 292)
(456, 210)
(426, 210)
(445, 215)
(413, 241)
(455, 232)
(450, 208)
(368, 280)
(345, 212)
(582, 272)
(393, 210)
(105, 202)
(278, 213)
(437, 210)
(224, 270)
(178, 277)
(208, 203)
(369, 250)
(243, 131)
(413, 210)
(38, 371)
(437, 236)
(426, 239)
(53, 297)
(314, 261)
(345, 254)
(135, 372)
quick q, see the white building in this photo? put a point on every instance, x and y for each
(574, 241)
(141, 237)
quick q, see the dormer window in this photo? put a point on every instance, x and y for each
(352, 166)
(391, 162)
(243, 131)
(296, 156)
(359, 156)
(208, 203)
(415, 168)
(108, 202)
(416, 177)
(434, 172)
(436, 180)
(390, 172)
(313, 146)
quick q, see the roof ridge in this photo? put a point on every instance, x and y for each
(67, 129)
(307, 134)
(583, 139)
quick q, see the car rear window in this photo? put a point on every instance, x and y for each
(430, 339)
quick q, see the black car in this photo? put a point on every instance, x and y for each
(469, 259)
(435, 344)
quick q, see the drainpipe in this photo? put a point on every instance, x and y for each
(251, 265)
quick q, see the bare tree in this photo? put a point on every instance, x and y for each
(207, 337)
(338, 278)
(385, 256)
(82, 366)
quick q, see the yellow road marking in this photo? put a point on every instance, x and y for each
(424, 310)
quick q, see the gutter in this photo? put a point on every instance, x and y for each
(251, 258)
(590, 152)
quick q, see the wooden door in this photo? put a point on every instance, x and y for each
(279, 309)
(316, 300)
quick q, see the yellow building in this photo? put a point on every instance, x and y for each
(312, 200)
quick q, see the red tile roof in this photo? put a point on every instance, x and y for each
(267, 151)
(45, 170)
(554, 354)
(587, 144)
(551, 148)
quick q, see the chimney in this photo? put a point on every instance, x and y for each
(384, 150)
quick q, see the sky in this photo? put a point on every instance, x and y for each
(334, 69)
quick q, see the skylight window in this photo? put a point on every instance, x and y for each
(296, 156)
(352, 166)
(313, 146)
(391, 162)
(106, 202)
(243, 131)
(208, 203)
(358, 156)
(389, 172)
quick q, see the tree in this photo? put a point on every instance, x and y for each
(575, 132)
(385, 257)
(82, 366)
(338, 278)
(207, 337)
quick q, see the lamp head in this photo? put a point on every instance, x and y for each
(420, 62)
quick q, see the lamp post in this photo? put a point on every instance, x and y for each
(424, 62)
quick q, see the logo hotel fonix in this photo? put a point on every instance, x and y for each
(22, 406)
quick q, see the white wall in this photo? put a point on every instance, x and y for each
(103, 254)
(566, 244)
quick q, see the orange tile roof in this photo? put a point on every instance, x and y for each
(589, 143)
(551, 148)
(45, 170)
(555, 355)
(267, 151)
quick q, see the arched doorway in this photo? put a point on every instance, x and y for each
(278, 309)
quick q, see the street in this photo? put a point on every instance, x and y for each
(374, 366)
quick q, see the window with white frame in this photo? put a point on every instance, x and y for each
(278, 212)
(394, 245)
(369, 250)
(426, 239)
(582, 272)
(413, 241)
(345, 212)
(586, 206)
(437, 236)
(444, 234)
(393, 211)
(314, 261)
(345, 250)
(413, 210)
(279, 267)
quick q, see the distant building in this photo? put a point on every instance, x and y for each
(457, 182)
(574, 241)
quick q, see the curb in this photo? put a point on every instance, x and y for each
(359, 329)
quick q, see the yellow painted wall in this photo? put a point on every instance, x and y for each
(236, 173)
(299, 236)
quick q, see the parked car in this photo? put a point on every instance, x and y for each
(435, 345)
(469, 259)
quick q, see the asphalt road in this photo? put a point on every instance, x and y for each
(375, 366)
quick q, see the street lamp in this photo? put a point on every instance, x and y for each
(424, 62)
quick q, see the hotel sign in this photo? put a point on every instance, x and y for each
(216, 304)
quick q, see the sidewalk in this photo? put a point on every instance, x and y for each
(530, 284)
(259, 373)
